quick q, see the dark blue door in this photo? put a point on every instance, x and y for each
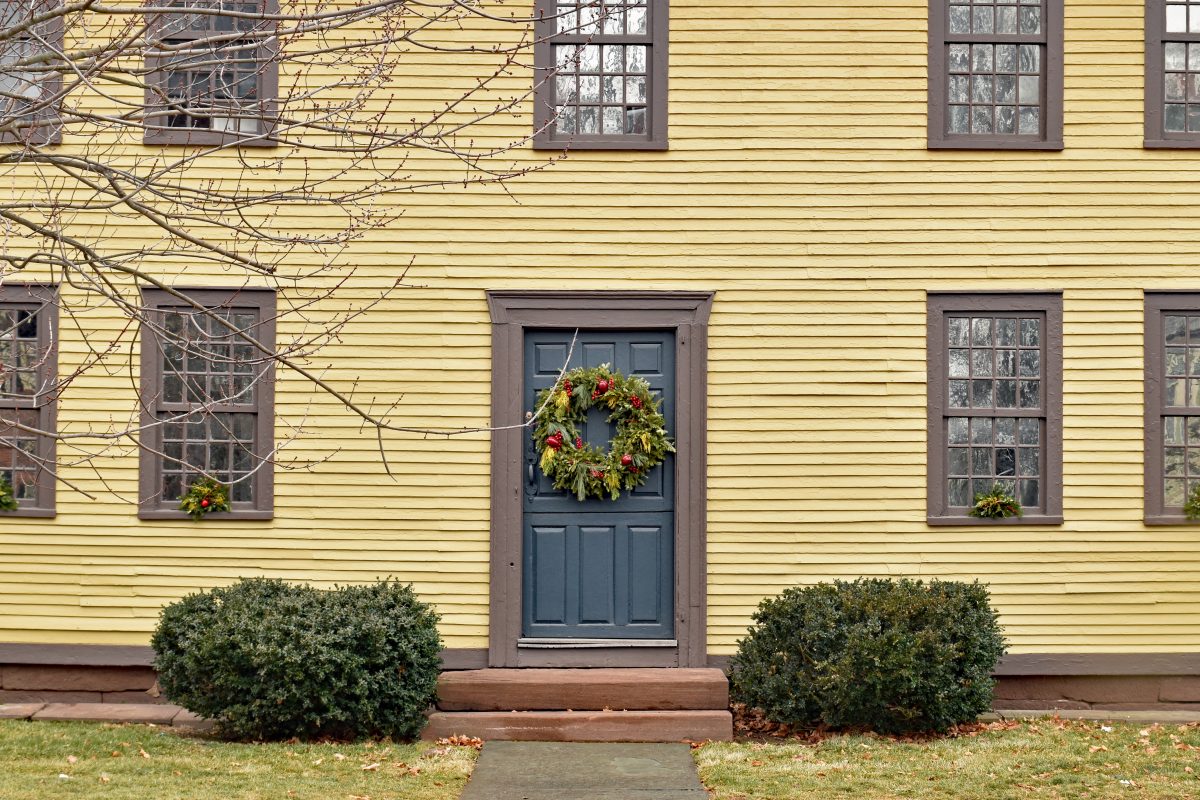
(600, 569)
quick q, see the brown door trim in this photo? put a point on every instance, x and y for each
(687, 314)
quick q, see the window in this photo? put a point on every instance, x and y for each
(215, 76)
(28, 372)
(995, 74)
(28, 86)
(208, 399)
(1172, 455)
(995, 404)
(1172, 73)
(601, 76)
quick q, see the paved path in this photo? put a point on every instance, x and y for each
(574, 771)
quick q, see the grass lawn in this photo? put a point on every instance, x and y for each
(1040, 759)
(140, 762)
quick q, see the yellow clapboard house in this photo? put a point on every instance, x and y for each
(876, 258)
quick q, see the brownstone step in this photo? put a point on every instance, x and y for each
(583, 690)
(582, 726)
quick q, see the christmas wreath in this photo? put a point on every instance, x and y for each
(639, 444)
(204, 497)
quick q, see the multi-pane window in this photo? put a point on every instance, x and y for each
(208, 399)
(995, 408)
(995, 73)
(28, 81)
(215, 74)
(1173, 73)
(601, 74)
(28, 320)
(1172, 455)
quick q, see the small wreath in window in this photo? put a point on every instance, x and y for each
(639, 444)
(205, 497)
(995, 503)
(8, 497)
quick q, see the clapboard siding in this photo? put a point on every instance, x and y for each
(797, 187)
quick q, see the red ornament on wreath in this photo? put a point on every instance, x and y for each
(587, 470)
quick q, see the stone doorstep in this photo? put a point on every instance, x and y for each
(582, 726)
(637, 689)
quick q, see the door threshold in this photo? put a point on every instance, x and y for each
(576, 644)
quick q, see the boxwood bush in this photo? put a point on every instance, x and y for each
(892, 655)
(268, 660)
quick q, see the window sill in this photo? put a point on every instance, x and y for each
(1169, 519)
(44, 513)
(1171, 144)
(598, 144)
(965, 521)
(994, 144)
(198, 137)
(168, 513)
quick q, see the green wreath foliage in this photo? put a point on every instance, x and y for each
(1191, 509)
(639, 444)
(204, 497)
(995, 504)
(8, 497)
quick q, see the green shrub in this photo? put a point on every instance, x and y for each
(269, 660)
(895, 656)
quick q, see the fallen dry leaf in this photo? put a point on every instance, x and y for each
(71, 759)
(104, 777)
(461, 741)
(1098, 749)
(143, 753)
(339, 756)
(370, 767)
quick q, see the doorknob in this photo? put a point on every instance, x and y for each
(531, 478)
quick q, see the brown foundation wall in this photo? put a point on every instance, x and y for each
(1101, 682)
(1098, 692)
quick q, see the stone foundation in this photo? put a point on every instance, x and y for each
(1098, 692)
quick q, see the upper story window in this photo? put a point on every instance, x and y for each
(995, 404)
(214, 74)
(601, 74)
(1172, 73)
(208, 399)
(29, 81)
(28, 371)
(995, 74)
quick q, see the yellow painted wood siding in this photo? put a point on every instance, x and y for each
(798, 187)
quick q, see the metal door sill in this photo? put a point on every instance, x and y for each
(578, 644)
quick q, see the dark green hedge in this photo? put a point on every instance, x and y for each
(892, 655)
(268, 660)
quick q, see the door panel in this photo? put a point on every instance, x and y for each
(600, 568)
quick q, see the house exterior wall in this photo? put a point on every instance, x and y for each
(798, 187)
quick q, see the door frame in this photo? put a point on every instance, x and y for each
(686, 313)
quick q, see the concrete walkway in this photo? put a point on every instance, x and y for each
(575, 771)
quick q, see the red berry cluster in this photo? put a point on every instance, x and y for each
(635, 401)
(554, 441)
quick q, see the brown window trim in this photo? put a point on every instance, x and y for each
(49, 132)
(939, 306)
(268, 86)
(1158, 305)
(150, 462)
(1156, 37)
(1052, 87)
(45, 296)
(656, 38)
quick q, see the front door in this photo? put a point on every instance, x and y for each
(599, 569)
